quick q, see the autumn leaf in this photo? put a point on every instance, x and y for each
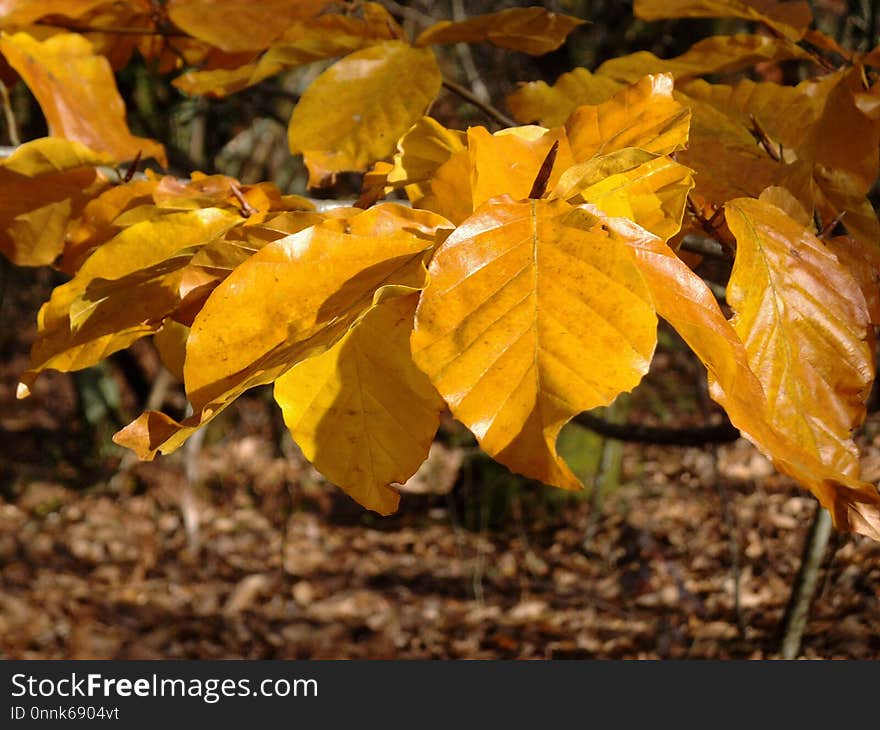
(804, 323)
(685, 301)
(121, 293)
(789, 17)
(362, 412)
(643, 115)
(305, 41)
(507, 162)
(532, 30)
(45, 184)
(306, 290)
(713, 55)
(97, 223)
(538, 103)
(805, 326)
(232, 25)
(77, 93)
(338, 126)
(532, 315)
(651, 190)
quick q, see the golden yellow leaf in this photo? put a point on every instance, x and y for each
(121, 293)
(537, 103)
(685, 301)
(805, 326)
(426, 146)
(77, 93)
(533, 313)
(531, 30)
(507, 162)
(448, 192)
(713, 55)
(25, 12)
(170, 342)
(43, 185)
(303, 291)
(232, 25)
(783, 199)
(747, 102)
(362, 412)
(631, 183)
(338, 125)
(305, 41)
(788, 17)
(97, 224)
(642, 115)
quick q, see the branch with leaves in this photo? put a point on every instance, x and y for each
(523, 283)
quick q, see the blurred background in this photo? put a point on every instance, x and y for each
(235, 547)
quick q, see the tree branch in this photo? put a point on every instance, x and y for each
(490, 111)
(721, 433)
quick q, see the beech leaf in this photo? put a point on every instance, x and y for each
(338, 125)
(642, 115)
(533, 314)
(788, 17)
(77, 93)
(362, 412)
(306, 290)
(713, 55)
(538, 103)
(44, 184)
(534, 30)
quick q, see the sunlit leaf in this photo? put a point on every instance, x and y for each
(685, 301)
(713, 55)
(642, 115)
(507, 162)
(233, 25)
(77, 93)
(648, 189)
(121, 293)
(538, 103)
(533, 314)
(305, 291)
(362, 412)
(788, 17)
(305, 41)
(532, 30)
(804, 323)
(43, 185)
(338, 125)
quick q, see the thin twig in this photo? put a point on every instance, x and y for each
(798, 610)
(11, 123)
(463, 50)
(115, 30)
(705, 247)
(406, 13)
(490, 111)
(721, 433)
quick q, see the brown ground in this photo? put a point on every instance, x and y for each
(274, 565)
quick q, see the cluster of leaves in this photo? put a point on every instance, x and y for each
(523, 282)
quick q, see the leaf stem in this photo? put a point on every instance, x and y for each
(11, 123)
(490, 111)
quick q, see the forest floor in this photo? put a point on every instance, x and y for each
(692, 556)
